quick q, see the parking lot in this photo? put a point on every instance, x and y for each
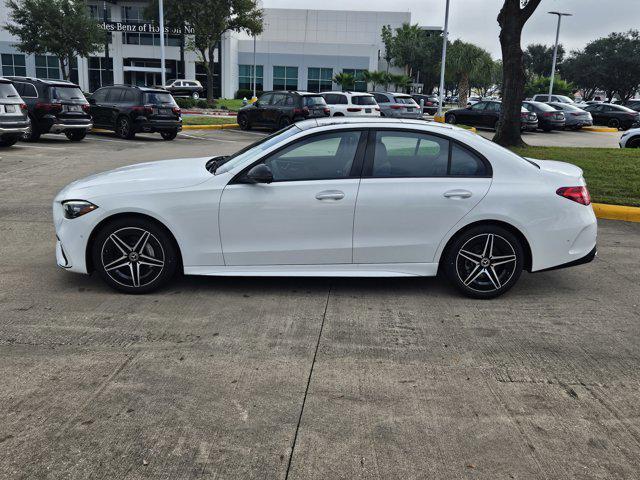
(222, 378)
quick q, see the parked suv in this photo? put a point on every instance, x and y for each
(128, 110)
(54, 106)
(351, 104)
(281, 108)
(184, 88)
(399, 105)
(14, 120)
(544, 97)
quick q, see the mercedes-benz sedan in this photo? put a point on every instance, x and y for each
(332, 197)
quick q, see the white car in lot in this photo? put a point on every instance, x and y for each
(332, 197)
(351, 104)
(630, 138)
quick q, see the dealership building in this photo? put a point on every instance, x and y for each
(299, 49)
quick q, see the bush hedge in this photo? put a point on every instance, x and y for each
(246, 93)
(191, 103)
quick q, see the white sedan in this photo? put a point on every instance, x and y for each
(332, 197)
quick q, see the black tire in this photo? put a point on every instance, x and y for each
(633, 143)
(546, 129)
(284, 122)
(121, 255)
(484, 262)
(613, 123)
(243, 121)
(195, 95)
(169, 135)
(451, 118)
(338, 114)
(33, 135)
(8, 141)
(76, 135)
(124, 129)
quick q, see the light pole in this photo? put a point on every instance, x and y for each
(162, 58)
(445, 38)
(254, 68)
(555, 50)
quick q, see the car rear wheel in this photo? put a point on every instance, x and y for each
(8, 141)
(484, 262)
(134, 255)
(195, 95)
(451, 119)
(76, 135)
(614, 123)
(169, 135)
(284, 123)
(124, 128)
(243, 121)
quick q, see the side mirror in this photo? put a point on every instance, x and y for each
(92, 101)
(261, 173)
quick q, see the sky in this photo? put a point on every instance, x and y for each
(475, 20)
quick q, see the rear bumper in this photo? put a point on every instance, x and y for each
(580, 261)
(65, 127)
(145, 125)
(15, 130)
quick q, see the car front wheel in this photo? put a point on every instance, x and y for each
(169, 135)
(134, 255)
(484, 262)
(124, 128)
(76, 135)
(451, 119)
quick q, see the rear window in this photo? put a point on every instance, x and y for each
(544, 107)
(623, 109)
(66, 93)
(158, 98)
(314, 101)
(363, 100)
(8, 91)
(405, 100)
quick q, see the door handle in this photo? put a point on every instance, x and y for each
(330, 195)
(457, 194)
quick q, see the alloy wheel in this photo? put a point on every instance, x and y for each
(486, 262)
(132, 257)
(124, 128)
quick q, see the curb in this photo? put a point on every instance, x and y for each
(617, 212)
(600, 129)
(224, 126)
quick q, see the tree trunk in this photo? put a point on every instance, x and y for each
(511, 20)
(63, 68)
(210, 68)
(463, 88)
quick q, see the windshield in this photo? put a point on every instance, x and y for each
(8, 91)
(253, 151)
(315, 101)
(363, 100)
(66, 93)
(157, 98)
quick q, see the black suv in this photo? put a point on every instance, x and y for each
(128, 110)
(281, 108)
(14, 120)
(55, 106)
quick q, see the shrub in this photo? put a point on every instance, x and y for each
(246, 93)
(185, 102)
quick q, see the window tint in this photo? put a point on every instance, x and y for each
(27, 90)
(320, 157)
(464, 163)
(409, 154)
(543, 107)
(129, 96)
(478, 106)
(405, 100)
(266, 99)
(100, 95)
(278, 99)
(363, 100)
(493, 107)
(114, 95)
(380, 98)
(8, 91)
(330, 98)
(314, 101)
(156, 98)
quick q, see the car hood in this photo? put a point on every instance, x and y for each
(162, 175)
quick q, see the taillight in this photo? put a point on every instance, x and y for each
(48, 107)
(548, 114)
(176, 110)
(326, 110)
(396, 107)
(301, 111)
(23, 106)
(353, 109)
(145, 110)
(86, 107)
(377, 109)
(577, 194)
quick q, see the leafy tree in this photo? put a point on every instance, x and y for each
(512, 18)
(466, 62)
(400, 82)
(61, 28)
(374, 78)
(345, 80)
(538, 59)
(488, 76)
(541, 85)
(389, 45)
(210, 20)
(580, 69)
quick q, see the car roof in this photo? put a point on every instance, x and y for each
(4, 80)
(137, 87)
(368, 121)
(52, 82)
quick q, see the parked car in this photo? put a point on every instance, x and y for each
(280, 109)
(309, 200)
(397, 105)
(54, 106)
(184, 88)
(549, 118)
(351, 104)
(630, 138)
(614, 116)
(128, 109)
(14, 119)
(575, 117)
(544, 97)
(486, 115)
(430, 106)
(633, 105)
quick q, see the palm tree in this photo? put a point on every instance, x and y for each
(386, 79)
(375, 78)
(400, 82)
(464, 62)
(345, 80)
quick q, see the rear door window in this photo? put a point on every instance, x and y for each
(409, 154)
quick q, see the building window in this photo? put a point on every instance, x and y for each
(360, 84)
(135, 14)
(285, 78)
(100, 72)
(320, 79)
(97, 12)
(47, 66)
(245, 77)
(13, 65)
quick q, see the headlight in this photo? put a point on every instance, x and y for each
(77, 208)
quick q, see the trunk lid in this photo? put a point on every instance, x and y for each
(561, 174)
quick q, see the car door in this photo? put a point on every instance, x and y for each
(98, 107)
(256, 114)
(275, 109)
(415, 187)
(491, 114)
(597, 114)
(473, 115)
(305, 216)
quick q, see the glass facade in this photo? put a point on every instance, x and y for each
(245, 77)
(285, 78)
(13, 64)
(360, 84)
(48, 66)
(100, 72)
(319, 79)
(135, 14)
